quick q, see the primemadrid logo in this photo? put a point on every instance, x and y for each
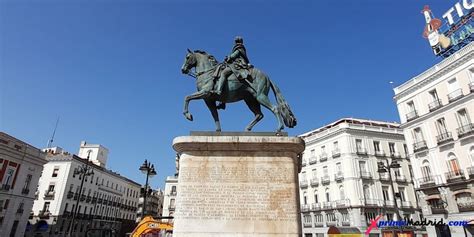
(377, 223)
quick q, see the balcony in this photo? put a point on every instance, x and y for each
(44, 214)
(436, 104)
(323, 157)
(470, 172)
(412, 115)
(173, 193)
(466, 207)
(67, 213)
(314, 182)
(303, 183)
(336, 153)
(444, 138)
(303, 162)
(361, 151)
(379, 153)
(471, 87)
(346, 223)
(99, 201)
(307, 224)
(318, 223)
(49, 195)
(372, 202)
(20, 211)
(401, 178)
(325, 180)
(25, 191)
(428, 181)
(5, 187)
(69, 195)
(406, 204)
(305, 208)
(365, 175)
(455, 95)
(438, 210)
(327, 205)
(171, 207)
(88, 199)
(384, 177)
(395, 155)
(389, 203)
(83, 197)
(455, 175)
(331, 222)
(339, 176)
(465, 130)
(419, 146)
(313, 160)
(94, 200)
(315, 206)
(343, 203)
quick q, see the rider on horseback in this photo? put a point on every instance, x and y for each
(237, 62)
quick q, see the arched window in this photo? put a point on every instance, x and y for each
(341, 193)
(316, 196)
(328, 199)
(426, 170)
(305, 198)
(453, 165)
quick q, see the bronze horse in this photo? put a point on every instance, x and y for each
(254, 92)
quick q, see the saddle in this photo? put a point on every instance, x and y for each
(217, 73)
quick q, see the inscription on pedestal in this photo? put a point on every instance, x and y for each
(237, 193)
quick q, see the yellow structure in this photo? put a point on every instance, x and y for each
(151, 226)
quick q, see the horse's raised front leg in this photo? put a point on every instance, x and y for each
(254, 106)
(196, 95)
(211, 104)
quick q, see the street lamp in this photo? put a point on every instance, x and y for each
(382, 168)
(83, 171)
(149, 170)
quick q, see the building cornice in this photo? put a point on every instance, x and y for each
(435, 72)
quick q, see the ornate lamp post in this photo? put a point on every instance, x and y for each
(382, 168)
(83, 171)
(149, 170)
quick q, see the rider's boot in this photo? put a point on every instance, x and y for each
(220, 85)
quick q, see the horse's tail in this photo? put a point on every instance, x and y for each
(283, 108)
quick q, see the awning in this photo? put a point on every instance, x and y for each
(343, 230)
(462, 191)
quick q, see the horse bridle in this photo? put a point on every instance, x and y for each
(195, 75)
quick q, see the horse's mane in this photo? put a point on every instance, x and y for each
(212, 59)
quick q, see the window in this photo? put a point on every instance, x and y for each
(313, 153)
(305, 198)
(370, 216)
(71, 187)
(426, 170)
(385, 193)
(173, 189)
(66, 206)
(453, 85)
(335, 145)
(391, 148)
(453, 164)
(325, 171)
(441, 126)
(46, 207)
(51, 188)
(434, 95)
(410, 107)
(338, 167)
(463, 118)
(405, 148)
(363, 166)
(303, 176)
(328, 197)
(27, 182)
(367, 192)
(401, 191)
(9, 176)
(55, 172)
(342, 195)
(377, 146)
(316, 200)
(417, 135)
(314, 174)
(359, 145)
(323, 150)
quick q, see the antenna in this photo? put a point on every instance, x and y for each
(50, 142)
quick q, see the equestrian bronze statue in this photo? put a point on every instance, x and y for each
(231, 81)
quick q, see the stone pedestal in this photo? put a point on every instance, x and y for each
(237, 184)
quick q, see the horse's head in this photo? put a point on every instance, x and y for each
(189, 62)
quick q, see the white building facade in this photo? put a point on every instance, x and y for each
(107, 199)
(20, 169)
(340, 186)
(169, 198)
(436, 110)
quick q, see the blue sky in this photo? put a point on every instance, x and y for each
(110, 69)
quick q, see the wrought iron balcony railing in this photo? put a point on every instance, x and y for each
(412, 115)
(444, 137)
(455, 95)
(419, 146)
(336, 153)
(465, 130)
(436, 104)
(455, 175)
